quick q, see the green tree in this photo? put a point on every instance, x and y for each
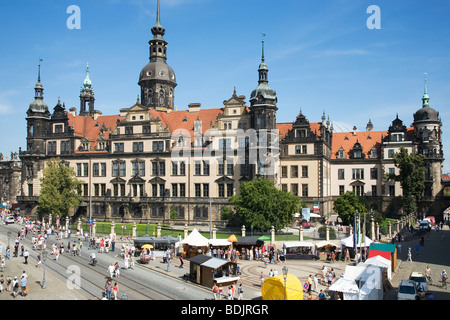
(411, 177)
(59, 189)
(347, 204)
(261, 205)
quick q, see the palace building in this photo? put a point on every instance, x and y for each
(152, 163)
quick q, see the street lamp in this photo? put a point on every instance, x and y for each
(285, 274)
(44, 258)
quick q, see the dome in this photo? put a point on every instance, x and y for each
(426, 114)
(38, 105)
(157, 70)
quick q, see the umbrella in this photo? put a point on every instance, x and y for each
(147, 246)
(264, 238)
(232, 238)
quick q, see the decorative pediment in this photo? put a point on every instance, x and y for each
(224, 179)
(136, 179)
(117, 180)
(158, 180)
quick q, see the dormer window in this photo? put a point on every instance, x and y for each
(341, 153)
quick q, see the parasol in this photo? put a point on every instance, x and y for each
(264, 238)
(147, 246)
(232, 238)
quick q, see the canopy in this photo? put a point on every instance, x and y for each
(140, 241)
(264, 238)
(195, 239)
(147, 246)
(273, 288)
(291, 244)
(379, 253)
(324, 243)
(383, 247)
(348, 242)
(219, 242)
(249, 241)
(380, 262)
(345, 286)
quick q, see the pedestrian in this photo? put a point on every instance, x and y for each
(309, 283)
(56, 255)
(38, 258)
(316, 282)
(117, 270)
(240, 292)
(215, 291)
(409, 255)
(8, 283)
(181, 262)
(233, 290)
(2, 281)
(310, 296)
(125, 261)
(230, 293)
(15, 287)
(111, 270)
(220, 292)
(261, 278)
(330, 278)
(108, 289)
(321, 295)
(26, 254)
(23, 285)
(132, 261)
(115, 290)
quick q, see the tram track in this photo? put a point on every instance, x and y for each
(92, 277)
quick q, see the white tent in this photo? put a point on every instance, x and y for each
(324, 243)
(361, 282)
(348, 287)
(195, 239)
(348, 242)
(219, 242)
(382, 263)
(291, 244)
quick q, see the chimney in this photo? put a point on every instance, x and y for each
(354, 130)
(73, 112)
(97, 114)
(194, 107)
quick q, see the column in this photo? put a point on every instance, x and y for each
(94, 228)
(372, 229)
(300, 233)
(133, 231)
(158, 230)
(327, 233)
(272, 235)
(243, 231)
(214, 232)
(185, 231)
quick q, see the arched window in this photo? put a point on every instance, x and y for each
(161, 97)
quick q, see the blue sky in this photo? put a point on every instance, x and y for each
(321, 57)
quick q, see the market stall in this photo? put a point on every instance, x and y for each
(217, 245)
(194, 244)
(325, 249)
(299, 250)
(206, 271)
(362, 245)
(389, 249)
(160, 244)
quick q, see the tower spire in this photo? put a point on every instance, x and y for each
(39, 70)
(426, 97)
(262, 43)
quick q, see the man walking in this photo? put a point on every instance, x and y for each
(26, 254)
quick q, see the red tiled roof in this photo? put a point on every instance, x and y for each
(283, 128)
(367, 139)
(177, 121)
(86, 126)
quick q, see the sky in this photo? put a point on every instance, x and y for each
(323, 56)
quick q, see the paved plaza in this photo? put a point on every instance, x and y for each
(433, 253)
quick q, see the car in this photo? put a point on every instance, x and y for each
(425, 225)
(407, 290)
(420, 280)
(9, 219)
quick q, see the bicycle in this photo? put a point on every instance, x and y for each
(429, 280)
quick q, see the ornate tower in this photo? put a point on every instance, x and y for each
(427, 132)
(87, 96)
(37, 119)
(157, 79)
(263, 110)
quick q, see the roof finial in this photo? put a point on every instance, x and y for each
(39, 70)
(425, 87)
(262, 41)
(157, 15)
